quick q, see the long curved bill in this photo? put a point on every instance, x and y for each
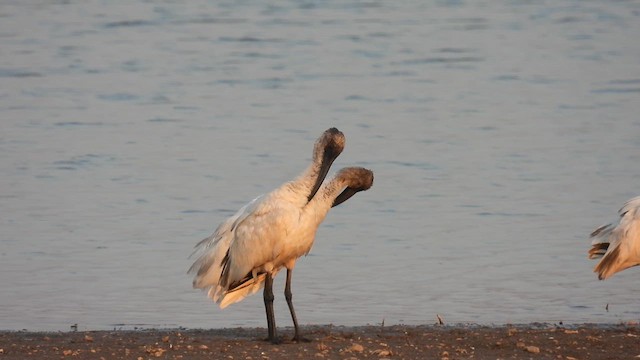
(345, 195)
(327, 160)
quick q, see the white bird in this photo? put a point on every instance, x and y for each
(273, 231)
(619, 245)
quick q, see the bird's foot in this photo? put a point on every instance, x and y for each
(300, 339)
(274, 340)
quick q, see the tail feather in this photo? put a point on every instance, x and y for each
(601, 233)
(207, 266)
(618, 245)
(213, 260)
(630, 205)
(249, 287)
(598, 250)
(600, 241)
(210, 251)
(609, 265)
(601, 247)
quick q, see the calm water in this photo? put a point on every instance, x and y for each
(500, 132)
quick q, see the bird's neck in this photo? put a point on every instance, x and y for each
(302, 184)
(321, 203)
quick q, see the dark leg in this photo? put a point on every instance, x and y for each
(268, 305)
(289, 296)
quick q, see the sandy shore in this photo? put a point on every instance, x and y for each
(533, 341)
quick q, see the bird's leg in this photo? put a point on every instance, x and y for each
(268, 304)
(289, 296)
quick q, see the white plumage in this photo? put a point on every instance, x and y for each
(272, 231)
(619, 245)
(210, 253)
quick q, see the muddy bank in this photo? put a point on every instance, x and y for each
(534, 341)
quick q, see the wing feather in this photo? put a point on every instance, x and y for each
(619, 245)
(211, 251)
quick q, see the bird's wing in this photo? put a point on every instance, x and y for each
(600, 241)
(608, 236)
(619, 246)
(632, 204)
(211, 250)
(630, 234)
(258, 240)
